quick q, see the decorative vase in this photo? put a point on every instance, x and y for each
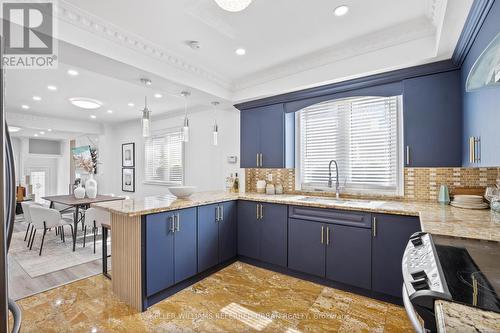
(91, 187)
(79, 192)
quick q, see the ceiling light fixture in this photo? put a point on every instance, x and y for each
(52, 88)
(341, 10)
(37, 98)
(14, 129)
(42, 132)
(86, 103)
(233, 5)
(185, 128)
(49, 130)
(24, 106)
(110, 111)
(36, 134)
(93, 116)
(72, 72)
(146, 112)
(131, 104)
(240, 51)
(215, 132)
(158, 95)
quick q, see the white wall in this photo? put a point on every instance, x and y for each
(206, 165)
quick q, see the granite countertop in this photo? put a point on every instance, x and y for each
(434, 218)
(454, 317)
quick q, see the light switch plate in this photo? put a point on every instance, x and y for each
(270, 177)
(232, 159)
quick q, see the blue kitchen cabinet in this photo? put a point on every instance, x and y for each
(227, 231)
(266, 137)
(306, 248)
(348, 255)
(170, 249)
(184, 244)
(159, 252)
(262, 232)
(390, 234)
(208, 237)
(248, 229)
(216, 234)
(273, 234)
(432, 114)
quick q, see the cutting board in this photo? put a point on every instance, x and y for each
(477, 190)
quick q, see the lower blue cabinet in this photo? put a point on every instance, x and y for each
(306, 249)
(170, 249)
(262, 232)
(348, 255)
(216, 234)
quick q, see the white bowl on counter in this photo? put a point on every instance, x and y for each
(182, 192)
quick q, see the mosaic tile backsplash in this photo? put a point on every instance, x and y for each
(420, 183)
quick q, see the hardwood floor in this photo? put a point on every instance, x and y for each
(22, 285)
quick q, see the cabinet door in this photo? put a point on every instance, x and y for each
(248, 229)
(227, 231)
(272, 136)
(389, 239)
(273, 235)
(208, 237)
(306, 252)
(185, 244)
(249, 138)
(348, 255)
(159, 253)
(433, 120)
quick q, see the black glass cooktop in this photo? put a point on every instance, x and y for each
(472, 282)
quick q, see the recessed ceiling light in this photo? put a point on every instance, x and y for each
(37, 98)
(86, 103)
(72, 72)
(341, 10)
(24, 106)
(110, 111)
(49, 130)
(36, 134)
(240, 51)
(42, 132)
(158, 95)
(14, 129)
(93, 116)
(52, 88)
(131, 104)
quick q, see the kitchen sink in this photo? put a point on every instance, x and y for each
(342, 202)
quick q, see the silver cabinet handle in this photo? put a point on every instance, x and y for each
(374, 227)
(257, 205)
(216, 213)
(221, 214)
(322, 231)
(407, 155)
(471, 149)
(257, 159)
(478, 149)
(171, 223)
(260, 160)
(328, 235)
(261, 211)
(177, 219)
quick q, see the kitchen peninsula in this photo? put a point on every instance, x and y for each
(162, 244)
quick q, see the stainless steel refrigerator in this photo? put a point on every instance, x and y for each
(7, 213)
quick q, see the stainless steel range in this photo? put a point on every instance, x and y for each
(458, 270)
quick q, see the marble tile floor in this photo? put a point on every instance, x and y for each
(239, 298)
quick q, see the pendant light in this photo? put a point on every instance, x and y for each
(215, 132)
(185, 128)
(233, 5)
(146, 113)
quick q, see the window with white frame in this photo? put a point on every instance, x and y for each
(164, 159)
(363, 134)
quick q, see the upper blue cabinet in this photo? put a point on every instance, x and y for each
(267, 137)
(432, 113)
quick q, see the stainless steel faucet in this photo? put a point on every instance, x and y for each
(337, 184)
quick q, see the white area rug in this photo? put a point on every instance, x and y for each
(56, 255)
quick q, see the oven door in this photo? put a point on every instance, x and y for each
(412, 314)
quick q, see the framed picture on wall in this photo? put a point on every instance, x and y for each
(128, 155)
(128, 180)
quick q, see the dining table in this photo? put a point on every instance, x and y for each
(70, 201)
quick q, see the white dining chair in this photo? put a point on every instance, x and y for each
(25, 205)
(45, 218)
(94, 217)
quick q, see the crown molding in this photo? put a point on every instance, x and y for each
(95, 25)
(475, 19)
(399, 34)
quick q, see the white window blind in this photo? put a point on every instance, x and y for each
(361, 134)
(164, 159)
